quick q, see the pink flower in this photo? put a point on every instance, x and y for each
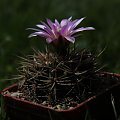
(53, 31)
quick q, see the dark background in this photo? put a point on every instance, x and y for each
(17, 15)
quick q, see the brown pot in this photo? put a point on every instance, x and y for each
(105, 106)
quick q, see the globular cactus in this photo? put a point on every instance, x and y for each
(46, 77)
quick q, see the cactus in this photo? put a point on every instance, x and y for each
(46, 77)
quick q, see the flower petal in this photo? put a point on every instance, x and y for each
(77, 22)
(50, 23)
(71, 39)
(56, 21)
(70, 18)
(65, 30)
(53, 28)
(41, 26)
(83, 29)
(57, 25)
(45, 24)
(40, 33)
(48, 29)
(33, 29)
(64, 22)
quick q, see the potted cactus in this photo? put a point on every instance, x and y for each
(63, 83)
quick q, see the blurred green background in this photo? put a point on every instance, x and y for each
(17, 15)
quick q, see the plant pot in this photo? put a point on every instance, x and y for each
(104, 106)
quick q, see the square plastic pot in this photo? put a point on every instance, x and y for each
(105, 106)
